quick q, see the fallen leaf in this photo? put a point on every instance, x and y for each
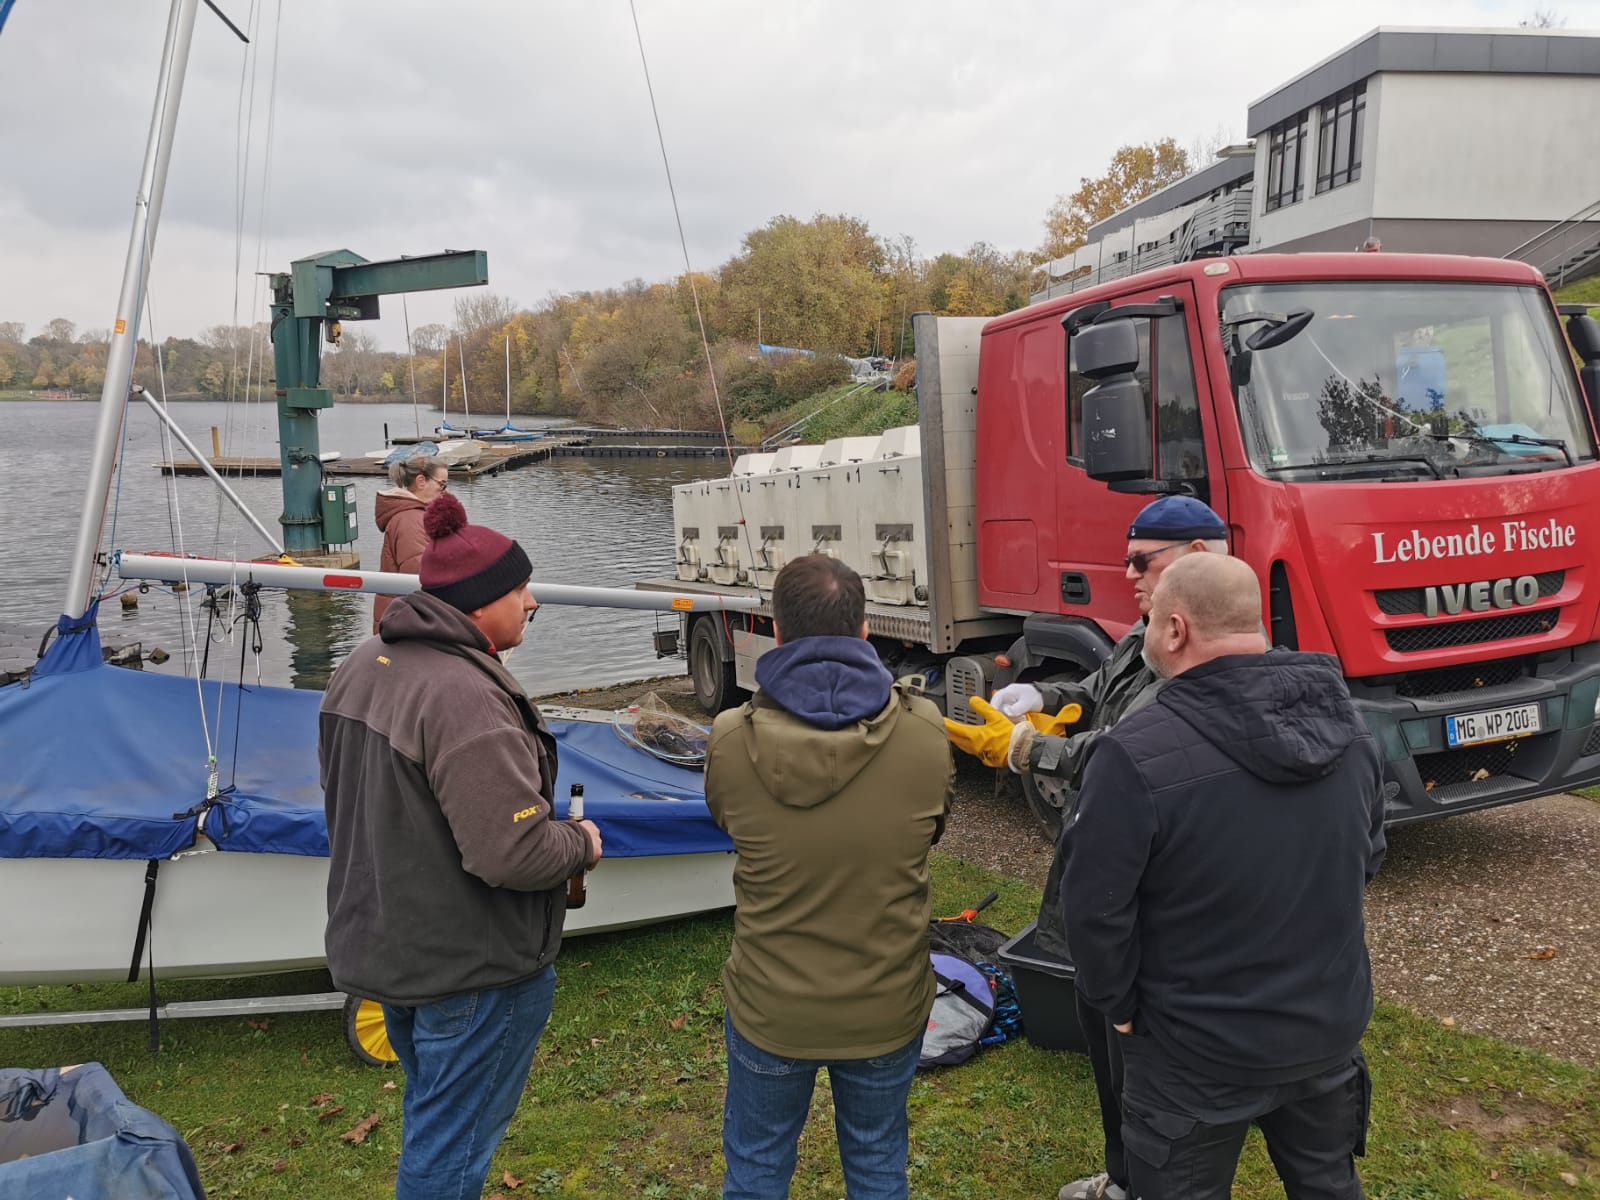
(1448, 1022)
(1568, 1178)
(678, 1021)
(510, 1180)
(266, 1129)
(280, 1165)
(597, 1041)
(233, 1147)
(1480, 773)
(1494, 1173)
(305, 1056)
(264, 1023)
(357, 1133)
(497, 1196)
(281, 1107)
(390, 1085)
(322, 1098)
(1540, 955)
(586, 964)
(296, 1142)
(328, 1112)
(1429, 786)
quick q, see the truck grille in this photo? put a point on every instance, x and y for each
(1469, 764)
(1404, 602)
(1449, 681)
(1592, 745)
(1441, 634)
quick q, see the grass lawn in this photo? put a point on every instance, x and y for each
(625, 1098)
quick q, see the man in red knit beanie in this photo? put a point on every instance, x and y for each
(447, 874)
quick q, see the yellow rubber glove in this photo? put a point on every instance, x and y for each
(989, 742)
(1057, 725)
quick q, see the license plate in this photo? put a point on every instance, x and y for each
(1495, 725)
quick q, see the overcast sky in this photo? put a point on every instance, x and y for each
(524, 129)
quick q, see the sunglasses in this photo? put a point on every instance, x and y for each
(1140, 559)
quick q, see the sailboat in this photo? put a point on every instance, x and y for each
(509, 432)
(180, 820)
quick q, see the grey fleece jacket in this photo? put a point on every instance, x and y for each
(447, 874)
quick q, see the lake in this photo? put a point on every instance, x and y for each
(598, 522)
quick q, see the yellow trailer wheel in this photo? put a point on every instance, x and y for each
(364, 1030)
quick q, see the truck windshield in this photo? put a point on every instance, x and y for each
(1401, 380)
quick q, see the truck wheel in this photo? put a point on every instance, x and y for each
(715, 684)
(1048, 798)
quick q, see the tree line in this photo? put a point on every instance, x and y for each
(633, 355)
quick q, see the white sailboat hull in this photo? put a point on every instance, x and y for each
(226, 913)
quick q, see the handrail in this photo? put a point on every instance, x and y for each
(1583, 215)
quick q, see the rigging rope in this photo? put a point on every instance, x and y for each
(694, 291)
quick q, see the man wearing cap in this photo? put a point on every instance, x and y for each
(1164, 531)
(447, 874)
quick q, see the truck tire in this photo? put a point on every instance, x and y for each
(715, 684)
(1048, 798)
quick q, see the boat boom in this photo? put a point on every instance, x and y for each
(171, 568)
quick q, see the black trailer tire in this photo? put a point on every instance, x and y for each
(716, 686)
(366, 1034)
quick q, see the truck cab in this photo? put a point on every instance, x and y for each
(1400, 447)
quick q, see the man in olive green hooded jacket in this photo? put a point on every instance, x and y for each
(833, 783)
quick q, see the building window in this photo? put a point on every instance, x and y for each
(1339, 138)
(1286, 168)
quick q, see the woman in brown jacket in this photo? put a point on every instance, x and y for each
(417, 483)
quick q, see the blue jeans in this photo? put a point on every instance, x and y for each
(768, 1098)
(466, 1060)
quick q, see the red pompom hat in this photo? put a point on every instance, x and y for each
(468, 566)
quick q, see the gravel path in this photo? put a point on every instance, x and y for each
(1461, 922)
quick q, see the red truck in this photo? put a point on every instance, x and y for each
(1401, 446)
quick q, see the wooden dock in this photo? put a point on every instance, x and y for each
(495, 458)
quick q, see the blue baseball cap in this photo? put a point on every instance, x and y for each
(1177, 519)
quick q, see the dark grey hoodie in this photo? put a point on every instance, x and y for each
(1216, 868)
(446, 873)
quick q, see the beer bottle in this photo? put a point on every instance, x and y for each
(578, 885)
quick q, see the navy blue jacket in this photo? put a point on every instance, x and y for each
(1217, 863)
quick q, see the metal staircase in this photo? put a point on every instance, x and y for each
(1566, 251)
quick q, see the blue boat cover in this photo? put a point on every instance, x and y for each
(72, 1132)
(122, 769)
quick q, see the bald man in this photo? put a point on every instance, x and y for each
(1212, 895)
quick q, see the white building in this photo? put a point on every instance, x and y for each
(1458, 141)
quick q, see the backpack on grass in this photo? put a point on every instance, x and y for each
(975, 1004)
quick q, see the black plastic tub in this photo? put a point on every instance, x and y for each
(1045, 993)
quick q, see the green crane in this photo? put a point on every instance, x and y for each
(308, 303)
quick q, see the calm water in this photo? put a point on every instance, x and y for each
(600, 522)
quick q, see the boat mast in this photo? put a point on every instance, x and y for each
(508, 381)
(125, 329)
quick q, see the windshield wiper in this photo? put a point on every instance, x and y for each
(1519, 439)
(1352, 460)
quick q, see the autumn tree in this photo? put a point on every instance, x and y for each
(814, 285)
(60, 330)
(635, 360)
(1134, 173)
(429, 339)
(12, 331)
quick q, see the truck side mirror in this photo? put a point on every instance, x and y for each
(1583, 332)
(1116, 426)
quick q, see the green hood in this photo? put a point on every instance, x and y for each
(803, 766)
